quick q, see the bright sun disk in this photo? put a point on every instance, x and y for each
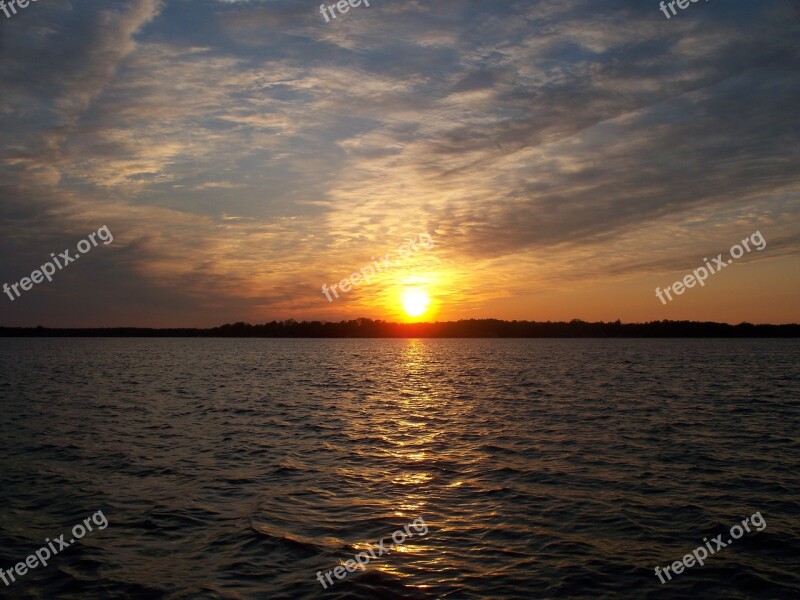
(415, 302)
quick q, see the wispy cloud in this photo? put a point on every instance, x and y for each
(245, 152)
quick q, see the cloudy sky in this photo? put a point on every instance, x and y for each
(566, 157)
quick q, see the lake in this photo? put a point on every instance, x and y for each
(242, 468)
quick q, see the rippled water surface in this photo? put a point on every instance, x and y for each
(542, 468)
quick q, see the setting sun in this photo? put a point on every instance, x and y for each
(415, 302)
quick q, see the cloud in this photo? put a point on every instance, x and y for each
(248, 152)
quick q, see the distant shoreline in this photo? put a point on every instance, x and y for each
(481, 328)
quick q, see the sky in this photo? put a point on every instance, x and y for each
(566, 158)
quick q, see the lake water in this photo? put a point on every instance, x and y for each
(238, 469)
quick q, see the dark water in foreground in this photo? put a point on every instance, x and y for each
(542, 468)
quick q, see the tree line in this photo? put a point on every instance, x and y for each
(472, 328)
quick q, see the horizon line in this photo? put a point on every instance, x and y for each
(464, 328)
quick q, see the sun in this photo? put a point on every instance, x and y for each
(416, 302)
